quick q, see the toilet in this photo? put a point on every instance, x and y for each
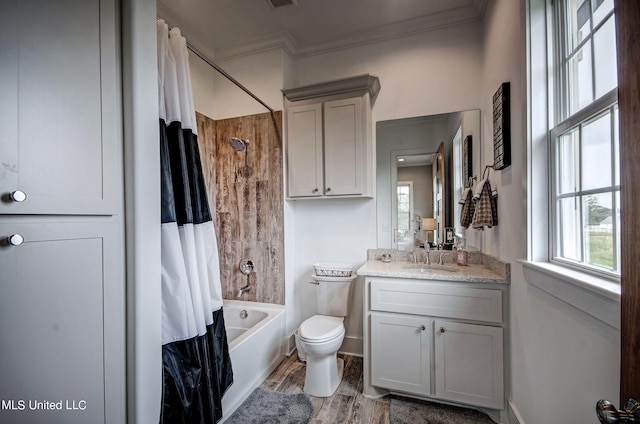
(319, 337)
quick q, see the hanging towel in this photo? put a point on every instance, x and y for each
(492, 188)
(468, 207)
(486, 211)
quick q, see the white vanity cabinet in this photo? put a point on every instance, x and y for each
(469, 365)
(401, 352)
(329, 139)
(442, 340)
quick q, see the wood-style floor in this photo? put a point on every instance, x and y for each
(347, 405)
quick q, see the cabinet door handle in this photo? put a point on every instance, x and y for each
(422, 328)
(18, 196)
(15, 240)
(315, 190)
(328, 189)
(442, 330)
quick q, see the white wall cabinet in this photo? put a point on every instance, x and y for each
(329, 140)
(59, 107)
(62, 311)
(440, 340)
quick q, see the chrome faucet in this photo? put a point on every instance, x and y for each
(244, 289)
(427, 259)
(413, 257)
(440, 260)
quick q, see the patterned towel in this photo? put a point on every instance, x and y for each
(468, 208)
(486, 208)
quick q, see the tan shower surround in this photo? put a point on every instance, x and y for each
(246, 201)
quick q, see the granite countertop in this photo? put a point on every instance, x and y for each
(484, 270)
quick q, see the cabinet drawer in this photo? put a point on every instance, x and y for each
(437, 299)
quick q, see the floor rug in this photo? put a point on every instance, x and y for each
(269, 407)
(409, 411)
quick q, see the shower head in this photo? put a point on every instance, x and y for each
(238, 144)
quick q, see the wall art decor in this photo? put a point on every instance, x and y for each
(502, 127)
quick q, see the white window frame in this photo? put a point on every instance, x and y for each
(592, 293)
(563, 122)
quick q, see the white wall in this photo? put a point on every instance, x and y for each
(562, 359)
(264, 74)
(142, 176)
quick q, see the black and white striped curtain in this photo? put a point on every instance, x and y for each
(196, 364)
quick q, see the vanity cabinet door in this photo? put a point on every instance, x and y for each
(343, 147)
(400, 352)
(304, 151)
(60, 136)
(469, 363)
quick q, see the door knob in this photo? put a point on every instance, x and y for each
(608, 414)
(18, 196)
(15, 239)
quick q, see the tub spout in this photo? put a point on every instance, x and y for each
(244, 289)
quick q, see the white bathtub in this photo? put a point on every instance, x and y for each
(256, 346)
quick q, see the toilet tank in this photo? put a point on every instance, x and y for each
(333, 295)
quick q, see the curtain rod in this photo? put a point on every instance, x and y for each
(226, 75)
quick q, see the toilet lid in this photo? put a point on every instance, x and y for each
(319, 328)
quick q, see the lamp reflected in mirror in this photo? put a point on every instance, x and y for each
(429, 225)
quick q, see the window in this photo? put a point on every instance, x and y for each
(584, 172)
(405, 212)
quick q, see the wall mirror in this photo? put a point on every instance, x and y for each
(420, 175)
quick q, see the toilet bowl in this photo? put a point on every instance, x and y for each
(320, 337)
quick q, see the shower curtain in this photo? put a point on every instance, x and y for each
(196, 364)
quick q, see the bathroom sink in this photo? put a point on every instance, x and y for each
(430, 268)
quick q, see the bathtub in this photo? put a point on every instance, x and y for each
(256, 346)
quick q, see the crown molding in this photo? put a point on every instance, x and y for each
(360, 83)
(286, 42)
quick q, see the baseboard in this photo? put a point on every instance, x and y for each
(351, 346)
(291, 344)
(514, 414)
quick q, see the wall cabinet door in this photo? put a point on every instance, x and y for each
(304, 151)
(62, 322)
(469, 363)
(400, 352)
(60, 130)
(343, 147)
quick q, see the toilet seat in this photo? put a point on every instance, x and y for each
(321, 328)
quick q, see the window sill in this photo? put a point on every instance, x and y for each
(597, 297)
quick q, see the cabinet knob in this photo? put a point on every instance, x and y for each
(442, 330)
(315, 190)
(18, 196)
(422, 328)
(328, 189)
(15, 239)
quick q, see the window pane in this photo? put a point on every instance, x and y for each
(579, 79)
(598, 235)
(596, 153)
(569, 228)
(604, 45)
(600, 9)
(578, 22)
(568, 159)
